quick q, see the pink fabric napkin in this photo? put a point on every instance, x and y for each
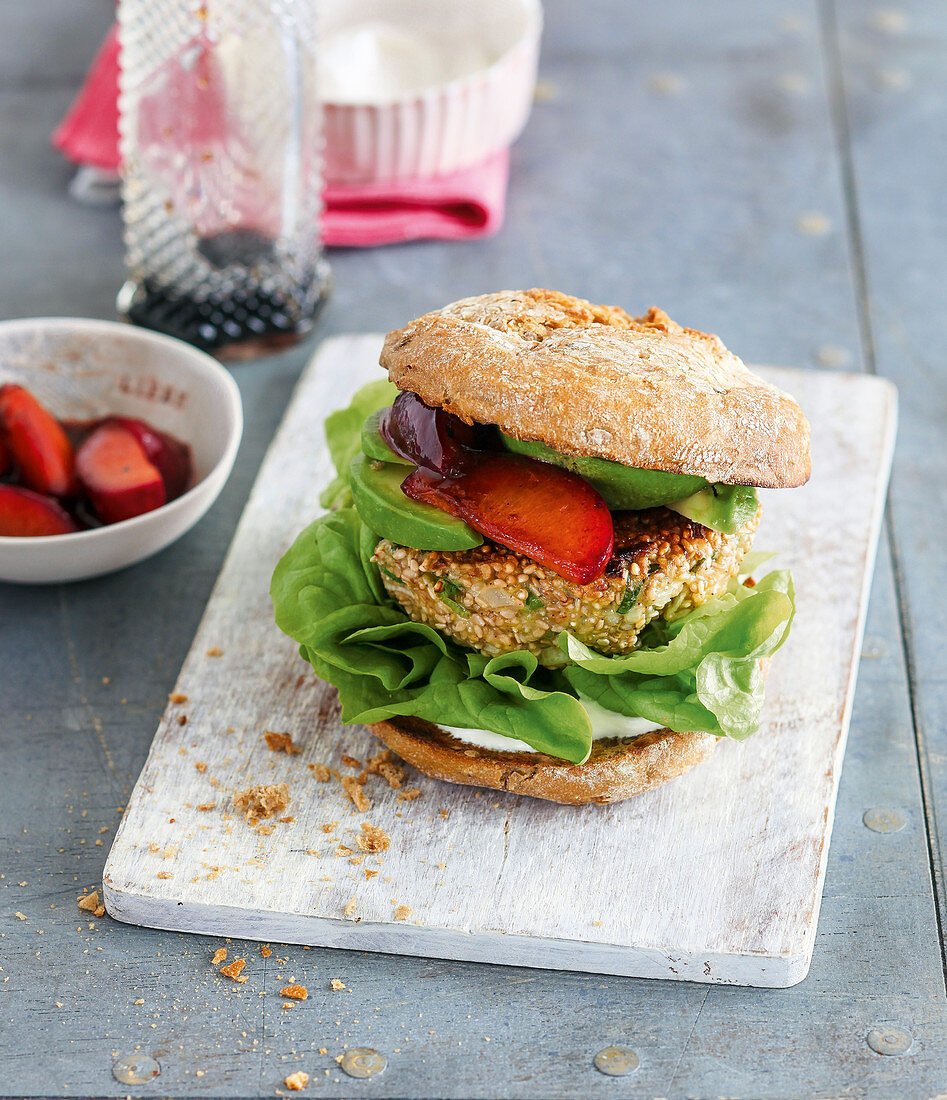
(461, 205)
(89, 132)
(464, 204)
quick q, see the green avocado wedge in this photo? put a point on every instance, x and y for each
(374, 445)
(723, 508)
(383, 507)
(621, 487)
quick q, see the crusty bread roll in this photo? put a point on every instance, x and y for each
(591, 380)
(615, 770)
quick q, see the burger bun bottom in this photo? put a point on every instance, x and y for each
(616, 769)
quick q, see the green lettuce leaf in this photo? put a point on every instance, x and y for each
(328, 597)
(344, 436)
(698, 672)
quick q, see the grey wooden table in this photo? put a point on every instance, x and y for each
(772, 172)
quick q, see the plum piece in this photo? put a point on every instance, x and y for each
(431, 438)
(6, 462)
(170, 456)
(25, 514)
(116, 475)
(37, 443)
(544, 511)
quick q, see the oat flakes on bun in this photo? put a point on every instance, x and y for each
(535, 574)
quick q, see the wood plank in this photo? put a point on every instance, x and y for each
(677, 883)
(892, 106)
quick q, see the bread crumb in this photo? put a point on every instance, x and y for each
(233, 971)
(342, 850)
(322, 772)
(369, 874)
(90, 902)
(205, 806)
(177, 697)
(409, 795)
(349, 909)
(280, 742)
(265, 950)
(265, 830)
(597, 923)
(201, 766)
(351, 762)
(373, 839)
(296, 992)
(287, 820)
(19, 915)
(355, 792)
(99, 911)
(182, 719)
(337, 984)
(382, 764)
(296, 1081)
(215, 651)
(263, 800)
(323, 1050)
(164, 874)
(403, 912)
(286, 1004)
(329, 826)
(140, 1001)
(220, 955)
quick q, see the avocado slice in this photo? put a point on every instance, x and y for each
(621, 487)
(374, 445)
(723, 507)
(376, 489)
(720, 507)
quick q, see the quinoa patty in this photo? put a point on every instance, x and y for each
(496, 600)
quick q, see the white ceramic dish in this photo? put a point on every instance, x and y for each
(85, 369)
(413, 118)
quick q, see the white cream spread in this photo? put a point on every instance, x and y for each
(605, 723)
(378, 61)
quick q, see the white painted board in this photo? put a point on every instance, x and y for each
(714, 877)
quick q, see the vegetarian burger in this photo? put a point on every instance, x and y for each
(535, 574)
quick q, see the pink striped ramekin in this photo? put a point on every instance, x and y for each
(445, 127)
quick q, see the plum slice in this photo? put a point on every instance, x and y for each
(544, 511)
(37, 443)
(25, 514)
(170, 456)
(116, 475)
(428, 437)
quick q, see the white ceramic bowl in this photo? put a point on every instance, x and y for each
(85, 369)
(379, 134)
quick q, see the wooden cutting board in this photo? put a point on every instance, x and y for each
(715, 877)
